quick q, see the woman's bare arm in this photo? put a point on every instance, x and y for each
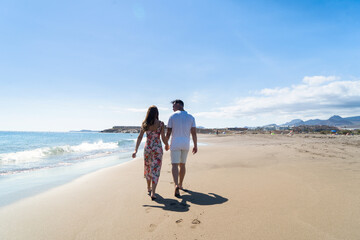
(168, 134)
(139, 139)
(164, 138)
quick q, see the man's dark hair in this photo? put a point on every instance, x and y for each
(178, 101)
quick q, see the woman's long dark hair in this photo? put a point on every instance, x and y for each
(151, 115)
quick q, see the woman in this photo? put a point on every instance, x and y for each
(153, 150)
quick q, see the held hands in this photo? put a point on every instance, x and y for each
(134, 154)
(167, 147)
(194, 150)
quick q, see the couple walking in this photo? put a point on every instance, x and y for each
(180, 126)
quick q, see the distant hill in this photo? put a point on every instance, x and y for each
(335, 121)
(122, 129)
(271, 125)
(294, 122)
(84, 131)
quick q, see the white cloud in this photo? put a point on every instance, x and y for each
(136, 110)
(317, 96)
(144, 110)
(269, 91)
(317, 80)
(198, 97)
(195, 98)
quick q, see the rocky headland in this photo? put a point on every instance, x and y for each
(122, 129)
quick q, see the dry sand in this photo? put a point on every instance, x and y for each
(240, 187)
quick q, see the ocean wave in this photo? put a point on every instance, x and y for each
(22, 170)
(41, 153)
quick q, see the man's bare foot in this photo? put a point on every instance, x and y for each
(177, 192)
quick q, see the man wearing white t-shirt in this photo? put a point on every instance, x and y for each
(180, 126)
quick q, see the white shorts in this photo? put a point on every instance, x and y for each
(178, 156)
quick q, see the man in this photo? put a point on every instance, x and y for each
(180, 125)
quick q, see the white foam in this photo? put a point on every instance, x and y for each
(39, 153)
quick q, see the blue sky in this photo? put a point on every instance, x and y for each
(70, 65)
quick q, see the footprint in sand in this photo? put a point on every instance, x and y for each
(179, 221)
(147, 210)
(196, 221)
(152, 227)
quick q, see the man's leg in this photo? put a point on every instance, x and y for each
(175, 173)
(175, 160)
(183, 157)
(182, 174)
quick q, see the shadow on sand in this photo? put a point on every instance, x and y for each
(182, 205)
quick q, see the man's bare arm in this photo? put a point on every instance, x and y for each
(168, 133)
(194, 137)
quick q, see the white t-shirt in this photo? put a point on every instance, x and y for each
(181, 123)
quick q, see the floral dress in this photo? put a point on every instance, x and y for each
(153, 154)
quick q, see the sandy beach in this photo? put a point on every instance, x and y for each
(238, 187)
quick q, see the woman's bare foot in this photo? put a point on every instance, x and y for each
(153, 197)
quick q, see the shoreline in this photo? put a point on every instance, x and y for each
(42, 180)
(240, 187)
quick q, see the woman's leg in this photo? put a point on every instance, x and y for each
(155, 169)
(148, 181)
(153, 190)
(147, 170)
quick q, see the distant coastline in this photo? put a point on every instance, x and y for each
(122, 129)
(334, 123)
(85, 131)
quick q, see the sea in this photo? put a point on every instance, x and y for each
(33, 162)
